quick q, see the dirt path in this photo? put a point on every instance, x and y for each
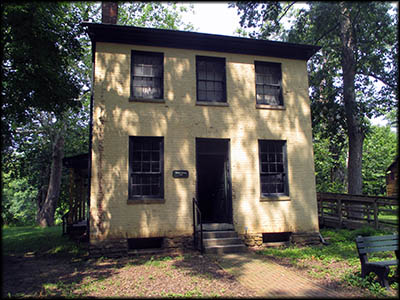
(188, 275)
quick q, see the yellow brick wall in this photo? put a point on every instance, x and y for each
(179, 120)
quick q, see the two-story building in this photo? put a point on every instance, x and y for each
(181, 115)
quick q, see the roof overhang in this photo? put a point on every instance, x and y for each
(196, 41)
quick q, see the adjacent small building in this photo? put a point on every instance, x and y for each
(392, 179)
(181, 115)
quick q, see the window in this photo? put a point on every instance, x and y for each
(146, 167)
(268, 83)
(147, 75)
(273, 168)
(210, 75)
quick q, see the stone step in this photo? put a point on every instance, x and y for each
(217, 226)
(222, 241)
(219, 234)
(225, 249)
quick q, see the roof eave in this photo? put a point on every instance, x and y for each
(197, 41)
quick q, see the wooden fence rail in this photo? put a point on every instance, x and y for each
(355, 211)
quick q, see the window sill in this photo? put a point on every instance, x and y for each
(273, 107)
(274, 198)
(146, 201)
(206, 103)
(147, 100)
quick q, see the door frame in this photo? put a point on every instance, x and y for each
(227, 173)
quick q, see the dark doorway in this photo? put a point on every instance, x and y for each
(213, 180)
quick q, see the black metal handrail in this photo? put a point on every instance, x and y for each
(197, 223)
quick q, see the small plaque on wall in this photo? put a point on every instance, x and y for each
(180, 173)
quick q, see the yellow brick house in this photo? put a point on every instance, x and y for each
(178, 116)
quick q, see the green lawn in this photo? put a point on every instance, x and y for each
(36, 240)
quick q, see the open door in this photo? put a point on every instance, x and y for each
(213, 180)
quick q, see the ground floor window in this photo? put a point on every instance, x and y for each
(273, 168)
(146, 167)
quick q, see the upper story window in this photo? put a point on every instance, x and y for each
(147, 75)
(273, 168)
(268, 83)
(210, 76)
(146, 167)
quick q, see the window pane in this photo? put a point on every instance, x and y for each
(136, 190)
(210, 75)
(136, 179)
(219, 75)
(137, 91)
(146, 190)
(146, 156)
(155, 167)
(147, 75)
(155, 189)
(202, 75)
(218, 86)
(137, 70)
(136, 166)
(202, 85)
(155, 179)
(210, 79)
(146, 167)
(264, 168)
(202, 95)
(155, 155)
(219, 96)
(272, 169)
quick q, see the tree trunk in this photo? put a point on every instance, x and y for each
(46, 212)
(355, 133)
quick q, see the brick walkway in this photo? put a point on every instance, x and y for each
(268, 279)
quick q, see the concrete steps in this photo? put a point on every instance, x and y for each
(219, 238)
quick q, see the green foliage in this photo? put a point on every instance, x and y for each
(38, 241)
(380, 150)
(164, 15)
(39, 45)
(370, 283)
(18, 201)
(330, 164)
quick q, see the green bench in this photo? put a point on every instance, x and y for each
(372, 244)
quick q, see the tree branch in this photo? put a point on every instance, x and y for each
(327, 32)
(286, 10)
(384, 81)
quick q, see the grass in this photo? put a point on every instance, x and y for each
(341, 249)
(37, 241)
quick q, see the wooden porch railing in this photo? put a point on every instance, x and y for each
(355, 211)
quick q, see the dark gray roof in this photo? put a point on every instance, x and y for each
(197, 41)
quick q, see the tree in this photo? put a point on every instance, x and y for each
(39, 46)
(45, 90)
(359, 48)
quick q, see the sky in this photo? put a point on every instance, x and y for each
(214, 17)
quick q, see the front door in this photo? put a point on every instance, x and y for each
(213, 180)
